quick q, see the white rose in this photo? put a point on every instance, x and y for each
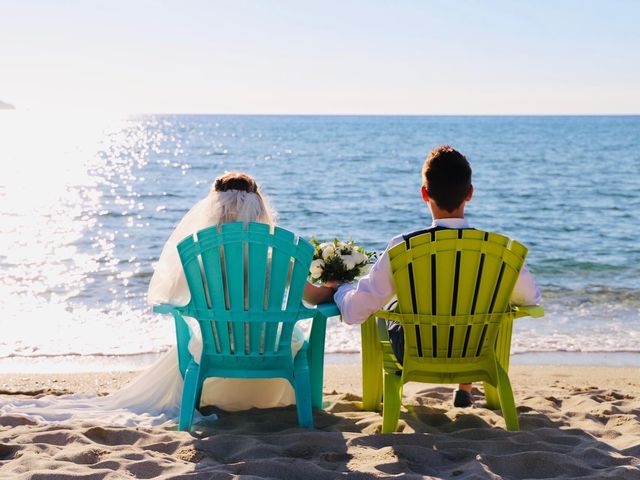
(324, 245)
(342, 246)
(349, 261)
(361, 258)
(316, 268)
(328, 251)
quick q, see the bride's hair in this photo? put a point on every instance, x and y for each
(239, 199)
(235, 181)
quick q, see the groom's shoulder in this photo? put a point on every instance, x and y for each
(404, 237)
(409, 235)
(395, 241)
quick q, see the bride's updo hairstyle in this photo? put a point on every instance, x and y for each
(235, 181)
(238, 199)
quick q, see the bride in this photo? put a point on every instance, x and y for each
(153, 398)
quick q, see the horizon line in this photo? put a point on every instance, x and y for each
(397, 114)
(306, 114)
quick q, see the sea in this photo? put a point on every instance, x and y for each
(86, 204)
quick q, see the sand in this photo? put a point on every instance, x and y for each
(577, 422)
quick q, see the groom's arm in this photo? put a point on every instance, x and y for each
(372, 292)
(526, 292)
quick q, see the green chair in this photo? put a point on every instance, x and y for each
(453, 289)
(246, 285)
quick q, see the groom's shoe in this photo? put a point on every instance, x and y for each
(462, 399)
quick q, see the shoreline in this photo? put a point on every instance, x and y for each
(343, 378)
(137, 362)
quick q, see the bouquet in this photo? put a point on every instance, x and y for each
(338, 261)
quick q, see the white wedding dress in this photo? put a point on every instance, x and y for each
(153, 397)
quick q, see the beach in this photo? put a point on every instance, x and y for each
(576, 422)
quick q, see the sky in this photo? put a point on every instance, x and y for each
(330, 57)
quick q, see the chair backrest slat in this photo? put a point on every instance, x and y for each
(494, 245)
(211, 252)
(259, 235)
(302, 259)
(445, 263)
(271, 338)
(420, 271)
(512, 259)
(280, 264)
(489, 284)
(210, 249)
(233, 238)
(468, 264)
(399, 263)
(403, 278)
(222, 332)
(285, 333)
(189, 252)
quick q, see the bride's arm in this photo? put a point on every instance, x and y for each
(314, 294)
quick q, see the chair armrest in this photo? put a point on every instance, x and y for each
(328, 309)
(535, 311)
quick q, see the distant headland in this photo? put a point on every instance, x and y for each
(6, 106)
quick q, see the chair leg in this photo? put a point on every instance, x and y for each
(491, 396)
(316, 359)
(371, 366)
(503, 353)
(302, 386)
(392, 402)
(507, 402)
(191, 390)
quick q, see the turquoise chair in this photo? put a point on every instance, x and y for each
(246, 285)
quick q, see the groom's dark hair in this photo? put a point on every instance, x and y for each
(446, 175)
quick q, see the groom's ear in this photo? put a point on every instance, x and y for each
(425, 195)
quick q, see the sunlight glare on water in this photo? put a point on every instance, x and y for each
(50, 205)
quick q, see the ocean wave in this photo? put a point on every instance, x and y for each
(566, 266)
(596, 294)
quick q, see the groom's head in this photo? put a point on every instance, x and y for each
(446, 178)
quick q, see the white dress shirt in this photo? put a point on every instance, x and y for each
(374, 290)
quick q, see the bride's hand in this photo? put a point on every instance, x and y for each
(315, 294)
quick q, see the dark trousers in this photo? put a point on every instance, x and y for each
(396, 337)
(396, 334)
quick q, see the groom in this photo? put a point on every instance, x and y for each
(446, 188)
